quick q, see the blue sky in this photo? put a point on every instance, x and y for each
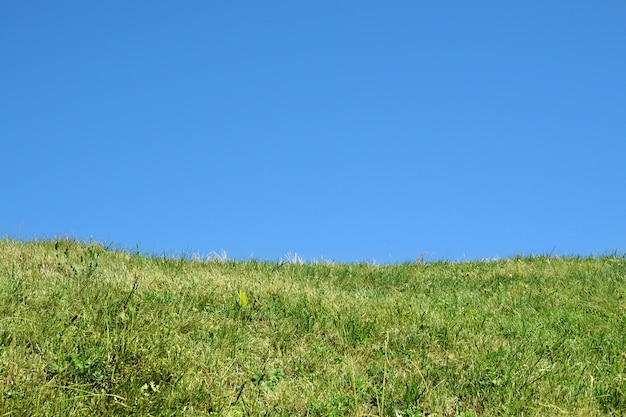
(337, 130)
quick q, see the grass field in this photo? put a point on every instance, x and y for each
(90, 331)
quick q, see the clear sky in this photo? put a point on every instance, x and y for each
(338, 130)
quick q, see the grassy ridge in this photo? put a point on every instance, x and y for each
(86, 331)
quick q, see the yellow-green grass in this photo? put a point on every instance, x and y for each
(85, 330)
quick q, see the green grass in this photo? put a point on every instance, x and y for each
(90, 331)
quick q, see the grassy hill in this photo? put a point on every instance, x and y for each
(89, 331)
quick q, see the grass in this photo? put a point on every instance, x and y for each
(90, 331)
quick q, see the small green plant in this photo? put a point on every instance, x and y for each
(243, 299)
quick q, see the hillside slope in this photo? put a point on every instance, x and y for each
(90, 331)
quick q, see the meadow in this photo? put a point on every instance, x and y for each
(90, 330)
